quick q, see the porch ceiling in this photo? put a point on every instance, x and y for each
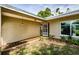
(14, 14)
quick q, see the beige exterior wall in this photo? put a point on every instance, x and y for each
(55, 25)
(0, 26)
(18, 29)
(15, 29)
(55, 29)
(0, 21)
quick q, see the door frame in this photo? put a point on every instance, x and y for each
(41, 30)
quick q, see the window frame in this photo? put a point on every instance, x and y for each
(61, 30)
(71, 33)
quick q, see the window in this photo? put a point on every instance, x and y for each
(75, 28)
(65, 28)
(45, 28)
(70, 28)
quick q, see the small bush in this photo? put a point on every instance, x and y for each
(50, 50)
(77, 32)
(70, 40)
(73, 41)
(35, 53)
(22, 51)
(66, 50)
(64, 38)
(55, 50)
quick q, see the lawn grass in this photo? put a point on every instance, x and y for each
(46, 47)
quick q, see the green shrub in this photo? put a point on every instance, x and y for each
(77, 32)
(76, 42)
(35, 53)
(66, 50)
(22, 51)
(50, 50)
(55, 50)
(73, 41)
(70, 39)
(64, 37)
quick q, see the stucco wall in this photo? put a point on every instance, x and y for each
(55, 25)
(0, 26)
(17, 29)
(55, 29)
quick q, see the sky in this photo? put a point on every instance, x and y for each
(35, 8)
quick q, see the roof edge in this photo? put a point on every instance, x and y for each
(20, 10)
(65, 14)
(33, 15)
